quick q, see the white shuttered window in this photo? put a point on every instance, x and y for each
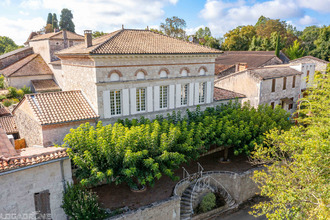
(202, 91)
(141, 99)
(184, 94)
(115, 102)
(163, 97)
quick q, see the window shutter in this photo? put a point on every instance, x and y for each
(156, 98)
(196, 93)
(171, 97)
(149, 99)
(133, 100)
(125, 102)
(42, 204)
(191, 94)
(178, 95)
(106, 104)
(208, 92)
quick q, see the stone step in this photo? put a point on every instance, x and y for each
(186, 215)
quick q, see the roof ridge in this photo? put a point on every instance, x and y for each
(24, 64)
(44, 93)
(104, 42)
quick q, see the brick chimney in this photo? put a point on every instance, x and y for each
(241, 67)
(65, 39)
(88, 38)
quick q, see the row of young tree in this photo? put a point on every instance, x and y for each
(264, 36)
(65, 22)
(138, 152)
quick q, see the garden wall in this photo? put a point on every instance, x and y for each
(168, 209)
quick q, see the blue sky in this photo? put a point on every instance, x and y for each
(19, 17)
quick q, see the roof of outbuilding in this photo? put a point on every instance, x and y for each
(6, 148)
(131, 41)
(11, 53)
(45, 85)
(59, 107)
(31, 65)
(271, 72)
(4, 111)
(8, 124)
(308, 57)
(224, 94)
(57, 36)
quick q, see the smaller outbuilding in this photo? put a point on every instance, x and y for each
(320, 65)
(43, 119)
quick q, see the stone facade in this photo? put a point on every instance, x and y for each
(93, 77)
(19, 186)
(320, 65)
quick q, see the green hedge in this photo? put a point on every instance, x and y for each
(139, 151)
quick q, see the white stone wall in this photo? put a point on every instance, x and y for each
(242, 83)
(58, 74)
(21, 81)
(18, 188)
(304, 67)
(42, 47)
(319, 65)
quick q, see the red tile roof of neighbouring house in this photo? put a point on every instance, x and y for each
(29, 66)
(8, 124)
(56, 36)
(4, 111)
(29, 156)
(131, 41)
(224, 94)
(59, 107)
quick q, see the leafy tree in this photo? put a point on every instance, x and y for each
(322, 44)
(7, 45)
(66, 22)
(239, 38)
(202, 33)
(296, 178)
(80, 203)
(261, 21)
(270, 26)
(156, 30)
(295, 51)
(174, 27)
(96, 34)
(277, 47)
(309, 35)
(49, 18)
(48, 28)
(255, 44)
(54, 22)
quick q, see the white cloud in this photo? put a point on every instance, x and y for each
(222, 16)
(31, 4)
(317, 5)
(307, 20)
(191, 31)
(24, 13)
(19, 29)
(5, 3)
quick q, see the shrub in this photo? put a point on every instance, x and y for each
(12, 92)
(2, 97)
(20, 93)
(26, 90)
(2, 82)
(7, 102)
(80, 203)
(207, 203)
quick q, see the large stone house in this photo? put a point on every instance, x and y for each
(43, 119)
(133, 73)
(32, 181)
(273, 85)
(235, 61)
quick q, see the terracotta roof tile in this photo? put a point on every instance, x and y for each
(45, 85)
(129, 41)
(29, 66)
(6, 148)
(8, 124)
(30, 156)
(224, 94)
(57, 35)
(59, 107)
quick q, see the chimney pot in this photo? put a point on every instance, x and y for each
(88, 38)
(122, 26)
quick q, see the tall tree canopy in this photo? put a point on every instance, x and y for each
(202, 33)
(7, 45)
(295, 51)
(66, 20)
(49, 18)
(174, 27)
(296, 180)
(54, 22)
(239, 38)
(206, 39)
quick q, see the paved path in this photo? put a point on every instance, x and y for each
(241, 215)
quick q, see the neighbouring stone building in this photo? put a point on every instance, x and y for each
(133, 73)
(273, 85)
(320, 65)
(32, 181)
(236, 61)
(43, 119)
